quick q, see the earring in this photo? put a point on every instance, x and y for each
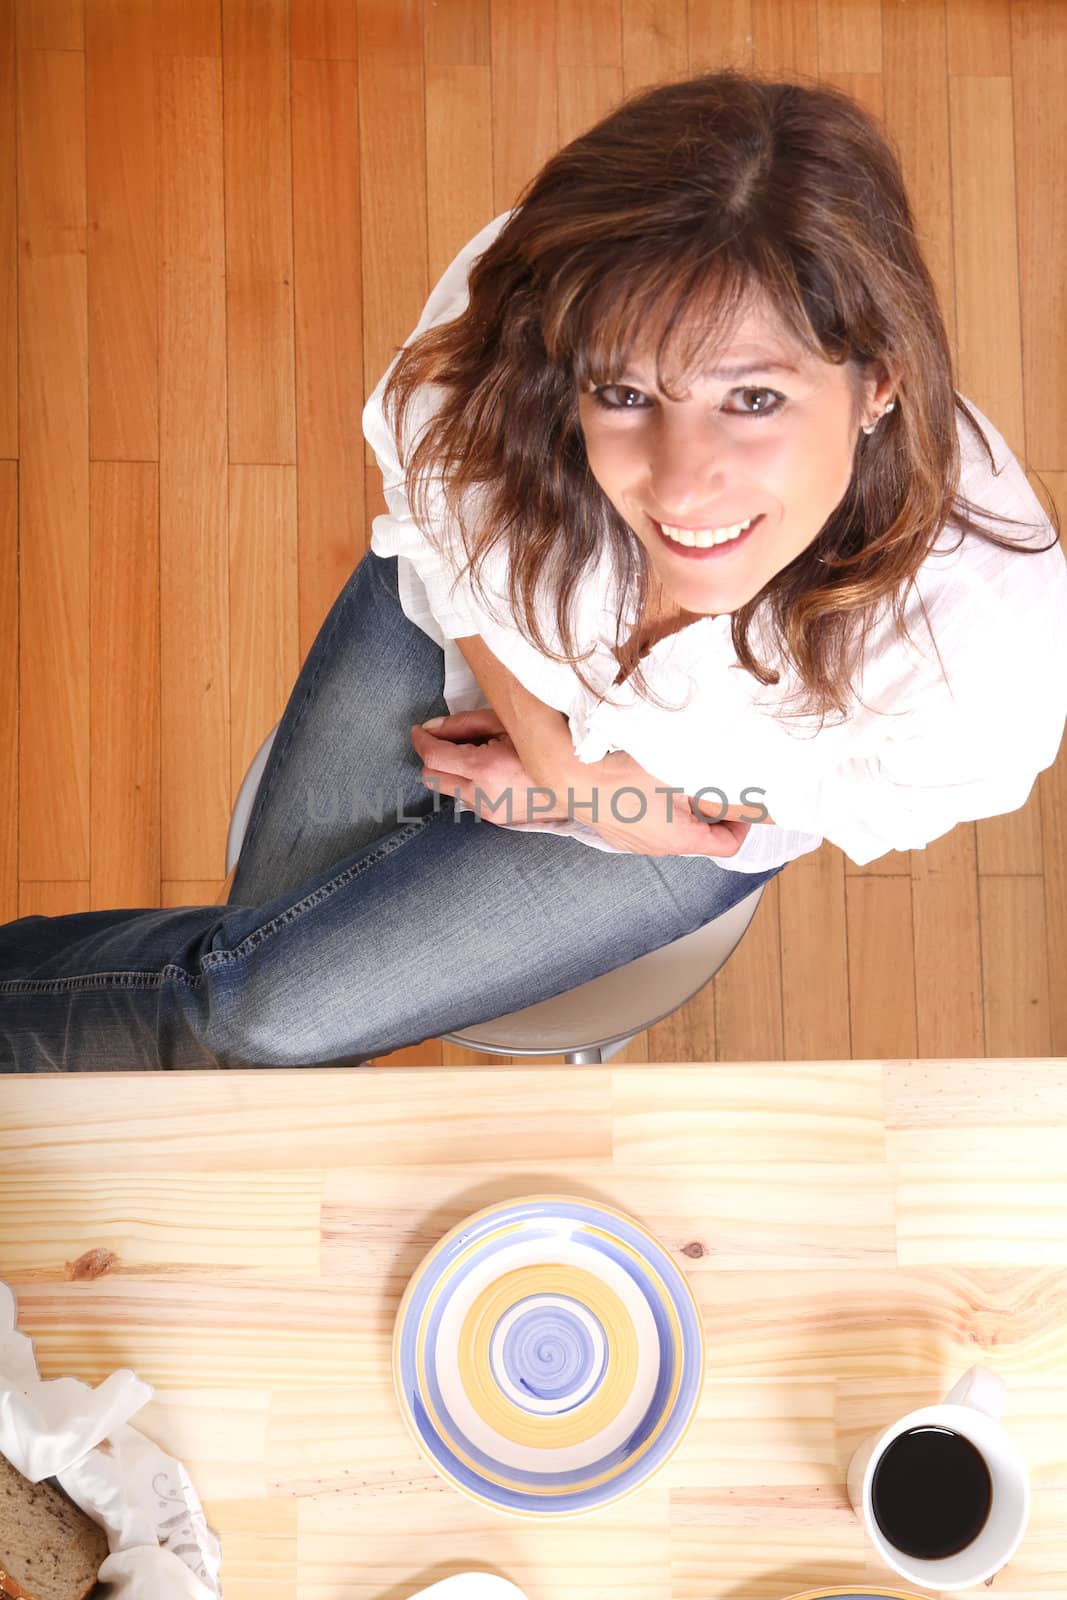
(878, 419)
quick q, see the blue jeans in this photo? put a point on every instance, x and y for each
(365, 914)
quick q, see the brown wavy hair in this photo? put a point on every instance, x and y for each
(666, 216)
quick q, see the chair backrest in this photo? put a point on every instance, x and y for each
(246, 796)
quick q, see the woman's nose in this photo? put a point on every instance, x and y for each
(688, 472)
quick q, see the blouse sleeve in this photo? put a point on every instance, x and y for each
(449, 592)
(453, 604)
(956, 754)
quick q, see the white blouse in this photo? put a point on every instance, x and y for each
(870, 783)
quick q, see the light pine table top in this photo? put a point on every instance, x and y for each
(857, 1234)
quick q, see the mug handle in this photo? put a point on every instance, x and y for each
(979, 1388)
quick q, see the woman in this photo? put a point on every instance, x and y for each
(706, 322)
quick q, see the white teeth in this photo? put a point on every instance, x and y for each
(704, 538)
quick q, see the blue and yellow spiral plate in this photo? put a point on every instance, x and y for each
(853, 1591)
(548, 1356)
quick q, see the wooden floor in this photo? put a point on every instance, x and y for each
(217, 223)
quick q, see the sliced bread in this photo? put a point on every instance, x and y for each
(48, 1546)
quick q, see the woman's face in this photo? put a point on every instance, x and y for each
(749, 440)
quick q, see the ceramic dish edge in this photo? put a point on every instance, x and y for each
(409, 1290)
(851, 1591)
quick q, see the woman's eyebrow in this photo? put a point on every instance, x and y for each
(746, 369)
(740, 369)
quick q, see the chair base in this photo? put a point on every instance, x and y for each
(588, 1055)
(593, 1056)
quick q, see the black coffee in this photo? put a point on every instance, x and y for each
(931, 1493)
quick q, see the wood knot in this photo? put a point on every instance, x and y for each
(93, 1264)
(694, 1251)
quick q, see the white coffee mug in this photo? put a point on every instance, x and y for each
(972, 1409)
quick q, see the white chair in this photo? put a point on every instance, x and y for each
(593, 1021)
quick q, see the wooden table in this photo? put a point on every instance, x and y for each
(857, 1234)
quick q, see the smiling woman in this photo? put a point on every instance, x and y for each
(675, 467)
(705, 232)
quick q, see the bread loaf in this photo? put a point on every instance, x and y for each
(49, 1548)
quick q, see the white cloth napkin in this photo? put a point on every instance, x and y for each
(161, 1547)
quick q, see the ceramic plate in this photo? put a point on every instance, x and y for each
(851, 1592)
(548, 1356)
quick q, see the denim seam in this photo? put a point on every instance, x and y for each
(392, 841)
(219, 958)
(96, 980)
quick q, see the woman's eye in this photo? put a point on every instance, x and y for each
(765, 410)
(616, 389)
(602, 397)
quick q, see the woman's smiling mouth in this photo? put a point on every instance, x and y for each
(705, 543)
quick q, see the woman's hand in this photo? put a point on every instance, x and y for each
(662, 824)
(471, 751)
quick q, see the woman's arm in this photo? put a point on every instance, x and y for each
(542, 735)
